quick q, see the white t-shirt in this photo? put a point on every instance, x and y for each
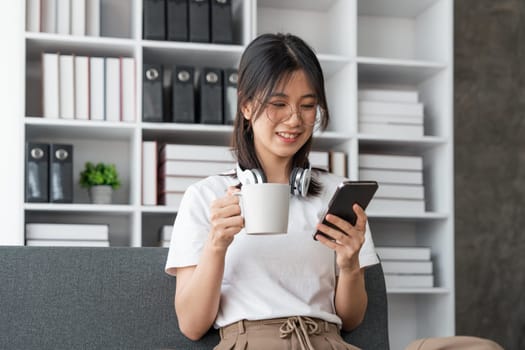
(265, 276)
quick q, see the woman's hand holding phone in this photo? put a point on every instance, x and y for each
(344, 238)
(343, 227)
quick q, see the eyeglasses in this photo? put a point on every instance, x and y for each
(280, 112)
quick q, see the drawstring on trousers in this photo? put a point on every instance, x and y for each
(303, 327)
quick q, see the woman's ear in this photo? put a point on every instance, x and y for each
(247, 110)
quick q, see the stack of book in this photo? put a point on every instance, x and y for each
(82, 87)
(76, 17)
(390, 112)
(400, 180)
(182, 165)
(406, 267)
(72, 235)
(165, 235)
(332, 161)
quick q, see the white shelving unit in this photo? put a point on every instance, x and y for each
(406, 42)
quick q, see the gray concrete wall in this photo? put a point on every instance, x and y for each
(489, 112)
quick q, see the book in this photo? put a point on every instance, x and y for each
(63, 8)
(193, 168)
(396, 205)
(388, 95)
(319, 159)
(177, 183)
(81, 87)
(112, 80)
(172, 151)
(388, 161)
(229, 87)
(409, 281)
(51, 100)
(177, 20)
(406, 267)
(391, 120)
(171, 199)
(67, 231)
(199, 21)
(127, 89)
(48, 16)
(210, 93)
(93, 17)
(165, 233)
(66, 243)
(392, 176)
(395, 130)
(154, 19)
(400, 191)
(152, 94)
(78, 17)
(183, 95)
(149, 173)
(33, 15)
(60, 173)
(390, 108)
(403, 253)
(338, 164)
(67, 87)
(37, 172)
(221, 22)
(97, 89)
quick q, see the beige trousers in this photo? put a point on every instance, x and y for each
(292, 333)
(453, 343)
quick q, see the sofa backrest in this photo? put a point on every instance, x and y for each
(115, 298)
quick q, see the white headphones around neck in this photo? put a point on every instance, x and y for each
(299, 179)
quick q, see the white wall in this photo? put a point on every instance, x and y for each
(11, 112)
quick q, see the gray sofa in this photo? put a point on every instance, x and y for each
(117, 298)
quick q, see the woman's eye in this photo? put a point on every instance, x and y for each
(308, 106)
(278, 104)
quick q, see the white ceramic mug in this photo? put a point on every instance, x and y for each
(265, 208)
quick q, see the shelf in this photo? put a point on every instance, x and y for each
(398, 8)
(79, 45)
(332, 64)
(81, 129)
(426, 216)
(308, 5)
(195, 54)
(373, 70)
(159, 209)
(99, 209)
(436, 290)
(401, 144)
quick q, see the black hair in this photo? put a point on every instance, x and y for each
(267, 61)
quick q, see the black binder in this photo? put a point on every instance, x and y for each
(199, 20)
(221, 21)
(177, 20)
(183, 95)
(154, 20)
(61, 173)
(229, 95)
(37, 170)
(152, 100)
(210, 86)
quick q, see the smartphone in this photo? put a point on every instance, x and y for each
(346, 195)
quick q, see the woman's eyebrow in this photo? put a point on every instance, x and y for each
(282, 94)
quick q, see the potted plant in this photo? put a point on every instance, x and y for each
(100, 180)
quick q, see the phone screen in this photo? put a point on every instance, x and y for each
(346, 195)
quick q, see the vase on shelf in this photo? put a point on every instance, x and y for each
(100, 194)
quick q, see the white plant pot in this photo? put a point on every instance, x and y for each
(100, 194)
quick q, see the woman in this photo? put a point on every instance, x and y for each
(281, 291)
